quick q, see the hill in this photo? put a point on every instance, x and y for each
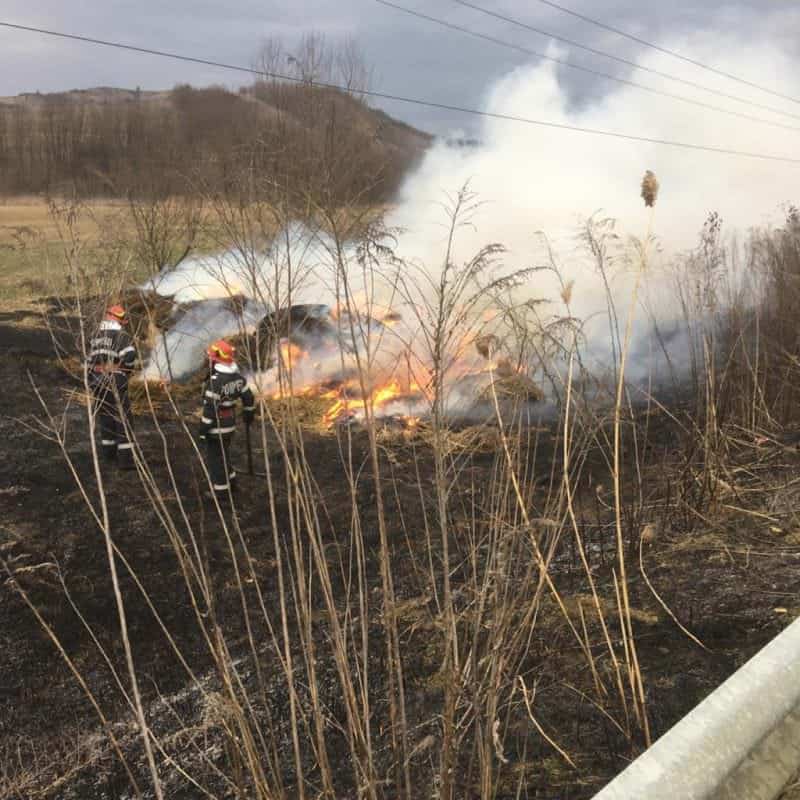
(108, 141)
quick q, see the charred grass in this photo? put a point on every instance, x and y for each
(510, 609)
(721, 553)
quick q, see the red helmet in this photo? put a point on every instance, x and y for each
(116, 314)
(221, 352)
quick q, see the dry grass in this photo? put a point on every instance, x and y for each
(30, 213)
(21, 215)
(32, 262)
(32, 259)
(519, 575)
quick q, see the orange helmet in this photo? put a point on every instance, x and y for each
(221, 352)
(116, 314)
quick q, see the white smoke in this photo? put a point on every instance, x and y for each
(536, 178)
(531, 179)
(202, 289)
(299, 249)
(182, 349)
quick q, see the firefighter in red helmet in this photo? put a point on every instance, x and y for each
(225, 386)
(109, 365)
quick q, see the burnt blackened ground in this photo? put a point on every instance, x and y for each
(728, 572)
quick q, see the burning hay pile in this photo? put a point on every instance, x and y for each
(353, 359)
(332, 368)
(386, 382)
(146, 308)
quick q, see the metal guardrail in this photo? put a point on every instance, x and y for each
(741, 743)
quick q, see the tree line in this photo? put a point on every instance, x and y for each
(117, 143)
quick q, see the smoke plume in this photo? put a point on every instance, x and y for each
(533, 182)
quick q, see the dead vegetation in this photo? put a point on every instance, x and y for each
(114, 143)
(486, 610)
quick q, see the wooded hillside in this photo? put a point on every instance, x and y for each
(113, 142)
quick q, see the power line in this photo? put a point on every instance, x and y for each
(667, 51)
(619, 59)
(403, 99)
(589, 70)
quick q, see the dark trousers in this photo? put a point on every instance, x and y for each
(112, 405)
(220, 469)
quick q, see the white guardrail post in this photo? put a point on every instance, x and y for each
(741, 743)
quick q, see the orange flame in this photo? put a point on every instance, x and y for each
(395, 386)
(347, 399)
(290, 353)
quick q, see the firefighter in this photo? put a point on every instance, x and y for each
(109, 366)
(225, 385)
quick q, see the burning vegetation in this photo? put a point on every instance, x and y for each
(310, 364)
(468, 552)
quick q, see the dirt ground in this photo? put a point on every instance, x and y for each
(733, 582)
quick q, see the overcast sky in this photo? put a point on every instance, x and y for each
(411, 56)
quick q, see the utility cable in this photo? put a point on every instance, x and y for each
(619, 59)
(666, 51)
(403, 99)
(589, 70)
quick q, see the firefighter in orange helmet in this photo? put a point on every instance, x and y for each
(224, 387)
(109, 365)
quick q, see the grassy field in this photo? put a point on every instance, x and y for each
(21, 215)
(385, 596)
(32, 260)
(34, 236)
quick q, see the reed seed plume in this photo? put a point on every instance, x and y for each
(566, 292)
(649, 188)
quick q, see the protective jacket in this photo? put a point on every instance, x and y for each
(111, 349)
(224, 387)
(109, 364)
